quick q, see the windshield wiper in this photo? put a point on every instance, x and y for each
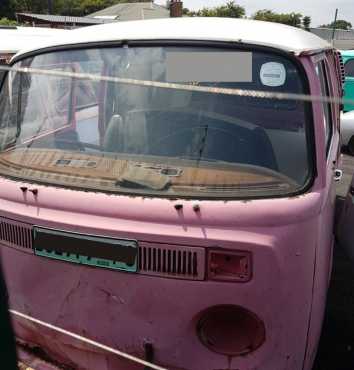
(197, 158)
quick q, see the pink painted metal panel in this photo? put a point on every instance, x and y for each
(325, 237)
(16, 234)
(175, 261)
(76, 297)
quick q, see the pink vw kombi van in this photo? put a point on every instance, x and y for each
(159, 210)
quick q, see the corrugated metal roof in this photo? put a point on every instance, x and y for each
(326, 33)
(63, 19)
(134, 11)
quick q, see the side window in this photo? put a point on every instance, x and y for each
(327, 108)
(87, 92)
(9, 110)
(349, 68)
(4, 60)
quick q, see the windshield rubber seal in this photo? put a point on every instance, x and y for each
(310, 131)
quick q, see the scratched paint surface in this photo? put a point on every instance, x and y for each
(120, 310)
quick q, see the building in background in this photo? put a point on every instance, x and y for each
(57, 21)
(139, 11)
(343, 39)
(115, 13)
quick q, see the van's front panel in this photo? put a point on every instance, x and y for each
(125, 309)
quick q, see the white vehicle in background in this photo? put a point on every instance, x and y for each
(347, 131)
(14, 39)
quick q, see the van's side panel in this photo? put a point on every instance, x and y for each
(325, 236)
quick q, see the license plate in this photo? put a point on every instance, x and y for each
(91, 250)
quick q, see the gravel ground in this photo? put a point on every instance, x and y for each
(336, 350)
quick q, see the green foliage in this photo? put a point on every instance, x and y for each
(33, 6)
(8, 8)
(79, 8)
(340, 24)
(230, 10)
(306, 22)
(5, 8)
(7, 22)
(291, 19)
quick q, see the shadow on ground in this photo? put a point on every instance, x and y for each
(336, 349)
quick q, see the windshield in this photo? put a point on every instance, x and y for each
(142, 138)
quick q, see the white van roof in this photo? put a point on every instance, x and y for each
(286, 38)
(13, 39)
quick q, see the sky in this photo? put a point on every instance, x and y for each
(320, 11)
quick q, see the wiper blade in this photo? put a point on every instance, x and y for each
(198, 158)
(205, 159)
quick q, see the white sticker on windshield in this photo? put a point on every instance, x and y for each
(273, 74)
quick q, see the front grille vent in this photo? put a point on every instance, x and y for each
(173, 261)
(16, 234)
(341, 66)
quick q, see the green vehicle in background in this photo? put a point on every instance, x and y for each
(348, 60)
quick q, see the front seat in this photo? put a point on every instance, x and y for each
(128, 135)
(111, 136)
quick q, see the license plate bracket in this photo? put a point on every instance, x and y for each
(91, 250)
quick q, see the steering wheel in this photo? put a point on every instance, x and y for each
(179, 132)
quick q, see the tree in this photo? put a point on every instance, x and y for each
(9, 8)
(229, 10)
(339, 24)
(5, 8)
(306, 22)
(33, 6)
(291, 19)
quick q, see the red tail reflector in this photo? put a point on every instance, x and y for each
(226, 265)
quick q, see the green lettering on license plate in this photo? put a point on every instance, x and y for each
(91, 250)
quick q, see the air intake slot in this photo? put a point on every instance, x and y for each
(341, 66)
(172, 261)
(16, 234)
(342, 69)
